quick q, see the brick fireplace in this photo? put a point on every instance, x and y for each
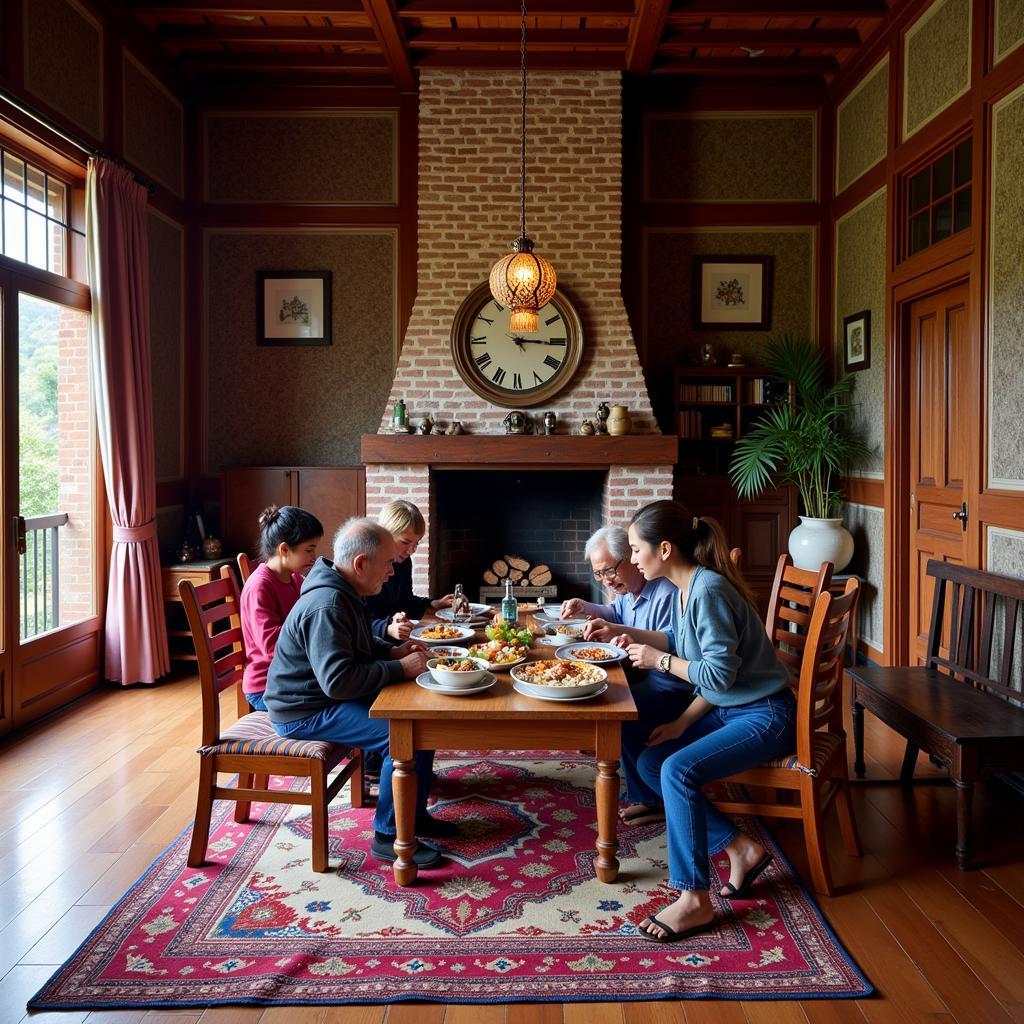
(468, 213)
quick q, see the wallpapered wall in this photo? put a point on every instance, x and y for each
(867, 525)
(1006, 556)
(859, 285)
(937, 62)
(1009, 27)
(1006, 294)
(153, 127)
(861, 126)
(705, 157)
(64, 60)
(297, 405)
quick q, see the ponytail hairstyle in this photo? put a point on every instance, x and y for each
(699, 539)
(286, 525)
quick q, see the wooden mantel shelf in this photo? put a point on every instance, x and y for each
(519, 450)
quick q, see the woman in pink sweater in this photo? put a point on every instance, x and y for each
(289, 537)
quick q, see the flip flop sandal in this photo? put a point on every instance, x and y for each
(671, 935)
(738, 892)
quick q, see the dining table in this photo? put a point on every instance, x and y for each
(501, 718)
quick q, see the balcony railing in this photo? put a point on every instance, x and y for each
(40, 574)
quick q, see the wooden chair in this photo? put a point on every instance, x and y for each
(816, 773)
(736, 557)
(245, 566)
(250, 746)
(794, 595)
(242, 706)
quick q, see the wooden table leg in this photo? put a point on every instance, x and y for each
(606, 796)
(403, 787)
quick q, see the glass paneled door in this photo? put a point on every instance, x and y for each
(51, 648)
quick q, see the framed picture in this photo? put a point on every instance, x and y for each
(732, 293)
(293, 307)
(857, 341)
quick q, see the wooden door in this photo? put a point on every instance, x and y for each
(943, 421)
(333, 494)
(245, 491)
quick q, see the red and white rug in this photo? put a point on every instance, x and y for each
(514, 915)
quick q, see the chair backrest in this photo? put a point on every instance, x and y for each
(244, 566)
(820, 690)
(794, 595)
(210, 609)
(974, 599)
(736, 556)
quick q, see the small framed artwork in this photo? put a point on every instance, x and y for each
(732, 293)
(293, 307)
(857, 341)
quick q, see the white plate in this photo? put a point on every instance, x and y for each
(613, 653)
(559, 700)
(425, 680)
(476, 611)
(453, 641)
(549, 640)
(578, 620)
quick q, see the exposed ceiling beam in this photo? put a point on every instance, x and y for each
(781, 8)
(230, 60)
(510, 8)
(586, 39)
(730, 38)
(188, 35)
(645, 31)
(390, 34)
(538, 61)
(750, 65)
(318, 8)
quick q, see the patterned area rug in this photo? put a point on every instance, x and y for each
(514, 915)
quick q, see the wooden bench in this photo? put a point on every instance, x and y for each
(956, 707)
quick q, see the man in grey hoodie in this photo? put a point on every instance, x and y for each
(328, 667)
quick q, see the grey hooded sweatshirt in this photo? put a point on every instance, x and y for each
(326, 650)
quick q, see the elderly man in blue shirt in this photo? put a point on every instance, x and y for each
(636, 604)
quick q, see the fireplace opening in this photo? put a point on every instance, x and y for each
(542, 516)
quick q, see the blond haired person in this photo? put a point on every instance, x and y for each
(396, 604)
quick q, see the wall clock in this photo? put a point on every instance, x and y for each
(515, 370)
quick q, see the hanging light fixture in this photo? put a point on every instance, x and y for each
(523, 281)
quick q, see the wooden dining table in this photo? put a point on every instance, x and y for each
(503, 719)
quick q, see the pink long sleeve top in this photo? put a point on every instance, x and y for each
(266, 602)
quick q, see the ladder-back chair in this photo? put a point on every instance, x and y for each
(794, 595)
(816, 772)
(250, 747)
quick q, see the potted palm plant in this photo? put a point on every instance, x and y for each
(807, 443)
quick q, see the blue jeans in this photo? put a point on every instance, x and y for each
(349, 724)
(256, 701)
(724, 741)
(657, 701)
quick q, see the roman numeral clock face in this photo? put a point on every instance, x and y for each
(515, 369)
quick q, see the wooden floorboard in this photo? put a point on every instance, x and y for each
(97, 791)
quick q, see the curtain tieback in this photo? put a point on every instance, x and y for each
(135, 534)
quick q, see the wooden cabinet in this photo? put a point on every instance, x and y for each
(715, 406)
(331, 493)
(179, 637)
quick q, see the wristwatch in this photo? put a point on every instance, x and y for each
(665, 662)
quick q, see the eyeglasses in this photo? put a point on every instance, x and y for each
(608, 574)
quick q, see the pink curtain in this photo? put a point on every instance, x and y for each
(136, 634)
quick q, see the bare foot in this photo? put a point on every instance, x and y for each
(744, 853)
(691, 910)
(640, 814)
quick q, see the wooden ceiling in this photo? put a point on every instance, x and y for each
(381, 42)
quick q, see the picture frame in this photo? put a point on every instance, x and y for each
(857, 341)
(293, 307)
(732, 293)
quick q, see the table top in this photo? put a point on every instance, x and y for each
(407, 700)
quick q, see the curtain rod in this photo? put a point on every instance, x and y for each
(150, 186)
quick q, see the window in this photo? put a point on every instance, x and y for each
(938, 199)
(34, 215)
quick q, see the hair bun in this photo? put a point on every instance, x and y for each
(268, 516)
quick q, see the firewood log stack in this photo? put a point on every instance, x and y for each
(519, 570)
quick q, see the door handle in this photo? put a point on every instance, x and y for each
(19, 534)
(962, 516)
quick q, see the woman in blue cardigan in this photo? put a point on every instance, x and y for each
(742, 713)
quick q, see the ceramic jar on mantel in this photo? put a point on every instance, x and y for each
(618, 421)
(820, 540)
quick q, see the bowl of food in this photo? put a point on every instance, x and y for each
(571, 629)
(499, 654)
(441, 633)
(559, 679)
(457, 673)
(450, 652)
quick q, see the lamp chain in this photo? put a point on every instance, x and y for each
(522, 127)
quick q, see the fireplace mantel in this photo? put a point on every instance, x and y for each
(519, 450)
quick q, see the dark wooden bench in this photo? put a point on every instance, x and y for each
(965, 713)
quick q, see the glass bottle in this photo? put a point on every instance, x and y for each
(460, 606)
(509, 605)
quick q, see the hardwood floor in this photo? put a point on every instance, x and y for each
(94, 793)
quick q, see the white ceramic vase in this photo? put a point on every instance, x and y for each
(820, 540)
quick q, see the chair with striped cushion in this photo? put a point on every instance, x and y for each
(794, 594)
(250, 747)
(816, 772)
(227, 573)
